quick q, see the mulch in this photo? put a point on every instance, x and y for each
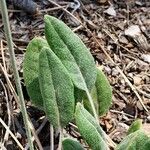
(118, 35)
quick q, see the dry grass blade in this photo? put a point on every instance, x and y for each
(12, 135)
(8, 112)
(3, 57)
(51, 9)
(16, 98)
(38, 131)
(5, 20)
(10, 84)
(35, 136)
(51, 137)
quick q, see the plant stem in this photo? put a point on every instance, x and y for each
(60, 138)
(51, 137)
(16, 75)
(105, 136)
(92, 105)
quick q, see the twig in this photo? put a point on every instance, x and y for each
(12, 135)
(10, 85)
(3, 57)
(122, 113)
(143, 92)
(35, 136)
(51, 137)
(51, 9)
(38, 131)
(60, 139)
(9, 114)
(16, 75)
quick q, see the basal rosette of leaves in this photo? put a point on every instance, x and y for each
(60, 68)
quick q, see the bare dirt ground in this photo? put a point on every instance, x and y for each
(118, 35)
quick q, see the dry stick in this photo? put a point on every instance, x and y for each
(4, 70)
(17, 101)
(123, 75)
(51, 137)
(3, 57)
(12, 135)
(111, 143)
(35, 136)
(51, 9)
(16, 75)
(10, 85)
(37, 132)
(60, 138)
(8, 112)
(122, 113)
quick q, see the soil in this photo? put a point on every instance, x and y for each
(118, 35)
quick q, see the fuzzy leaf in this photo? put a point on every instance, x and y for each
(101, 94)
(89, 129)
(56, 88)
(69, 144)
(146, 145)
(136, 125)
(137, 140)
(72, 52)
(30, 70)
(104, 92)
(94, 98)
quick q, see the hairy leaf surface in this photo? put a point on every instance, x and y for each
(137, 140)
(70, 144)
(56, 88)
(89, 129)
(104, 92)
(72, 52)
(30, 70)
(136, 125)
(101, 94)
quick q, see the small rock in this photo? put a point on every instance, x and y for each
(137, 80)
(146, 58)
(148, 118)
(123, 40)
(133, 31)
(110, 11)
(102, 1)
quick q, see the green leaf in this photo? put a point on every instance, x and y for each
(72, 52)
(89, 129)
(70, 144)
(30, 70)
(136, 125)
(95, 100)
(146, 145)
(137, 140)
(104, 92)
(101, 94)
(56, 88)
